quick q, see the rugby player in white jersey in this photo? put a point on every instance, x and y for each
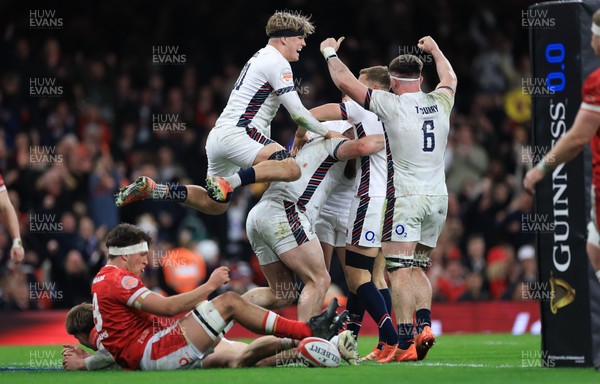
(241, 136)
(366, 283)
(417, 126)
(332, 222)
(280, 226)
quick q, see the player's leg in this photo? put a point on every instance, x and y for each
(355, 307)
(281, 291)
(263, 348)
(379, 280)
(206, 322)
(424, 338)
(399, 260)
(327, 254)
(359, 268)
(263, 226)
(306, 261)
(226, 354)
(325, 231)
(271, 163)
(431, 228)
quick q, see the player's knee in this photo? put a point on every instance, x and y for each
(292, 169)
(211, 317)
(399, 264)
(227, 302)
(324, 280)
(380, 283)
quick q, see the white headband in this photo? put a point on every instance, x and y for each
(404, 78)
(128, 250)
(596, 29)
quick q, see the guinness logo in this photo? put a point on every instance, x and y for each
(561, 293)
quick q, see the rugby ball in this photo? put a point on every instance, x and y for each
(317, 352)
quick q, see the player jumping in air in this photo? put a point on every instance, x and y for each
(241, 136)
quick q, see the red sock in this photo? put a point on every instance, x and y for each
(279, 326)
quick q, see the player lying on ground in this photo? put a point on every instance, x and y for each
(417, 126)
(280, 225)
(124, 310)
(227, 353)
(241, 136)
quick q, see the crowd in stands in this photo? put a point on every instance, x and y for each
(111, 111)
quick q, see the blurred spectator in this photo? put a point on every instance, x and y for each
(102, 128)
(469, 160)
(452, 284)
(474, 292)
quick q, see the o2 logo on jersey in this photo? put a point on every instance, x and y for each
(400, 231)
(370, 236)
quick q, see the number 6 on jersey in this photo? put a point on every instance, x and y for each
(428, 136)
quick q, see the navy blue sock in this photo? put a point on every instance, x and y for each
(387, 297)
(423, 319)
(177, 192)
(369, 295)
(247, 176)
(405, 335)
(356, 312)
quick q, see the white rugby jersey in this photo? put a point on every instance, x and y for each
(341, 197)
(320, 172)
(371, 176)
(254, 101)
(416, 127)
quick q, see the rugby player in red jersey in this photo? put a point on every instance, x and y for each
(124, 311)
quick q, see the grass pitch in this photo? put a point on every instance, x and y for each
(493, 358)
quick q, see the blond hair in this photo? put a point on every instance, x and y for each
(377, 75)
(290, 20)
(596, 17)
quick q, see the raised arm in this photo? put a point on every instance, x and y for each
(340, 74)
(567, 147)
(173, 305)
(442, 65)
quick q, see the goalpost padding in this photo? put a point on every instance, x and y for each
(562, 58)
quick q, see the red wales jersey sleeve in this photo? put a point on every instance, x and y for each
(590, 93)
(2, 186)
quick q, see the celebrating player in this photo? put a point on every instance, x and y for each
(280, 230)
(367, 286)
(417, 126)
(583, 131)
(12, 224)
(123, 310)
(240, 138)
